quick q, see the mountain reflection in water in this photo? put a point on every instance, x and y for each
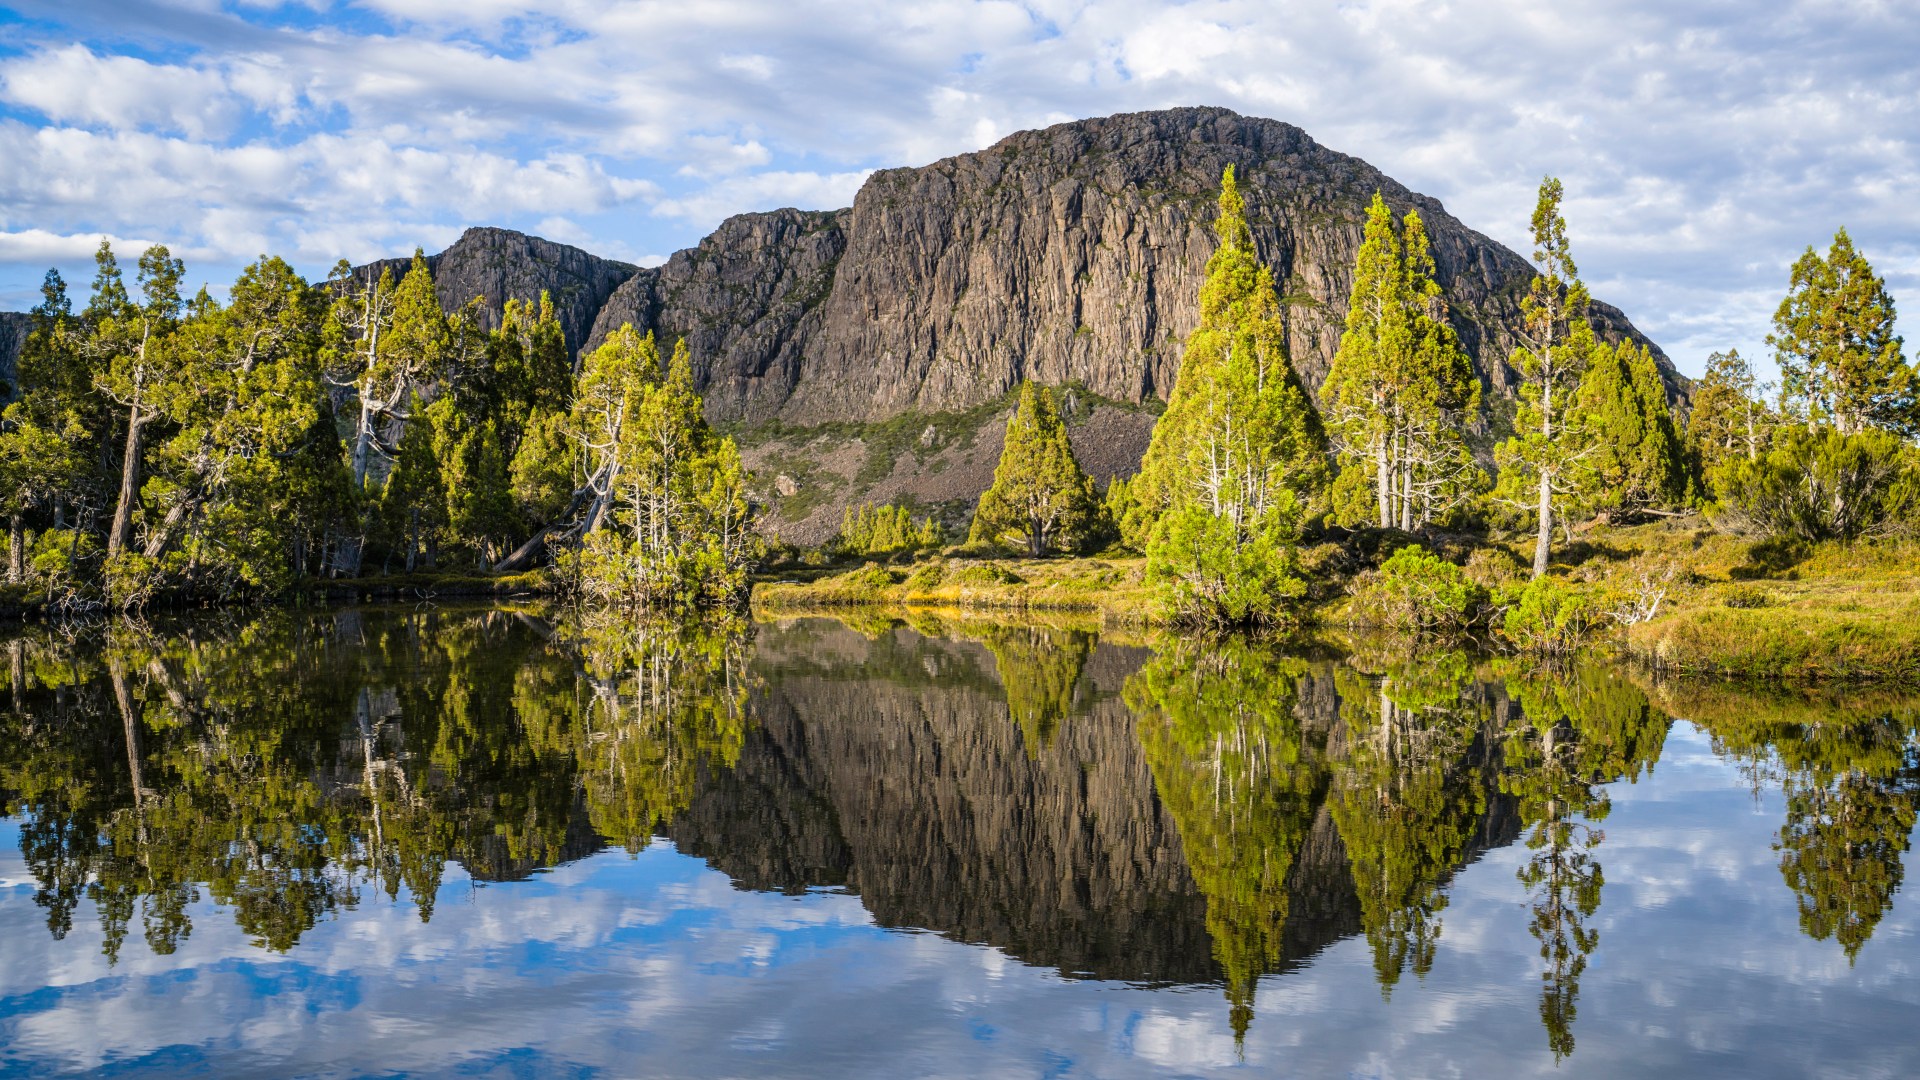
(1164, 815)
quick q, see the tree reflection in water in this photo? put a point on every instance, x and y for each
(1848, 765)
(1242, 809)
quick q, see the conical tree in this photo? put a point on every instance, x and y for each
(1636, 459)
(1237, 457)
(1840, 361)
(1040, 497)
(1400, 385)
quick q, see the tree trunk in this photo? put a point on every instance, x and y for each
(362, 436)
(121, 533)
(16, 548)
(1383, 480)
(1543, 539)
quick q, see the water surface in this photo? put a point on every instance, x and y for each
(483, 842)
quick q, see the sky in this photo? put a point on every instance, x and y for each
(1703, 143)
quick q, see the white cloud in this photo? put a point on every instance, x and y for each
(765, 191)
(1702, 147)
(72, 85)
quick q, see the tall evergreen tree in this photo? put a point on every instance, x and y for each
(672, 490)
(1840, 361)
(1537, 463)
(136, 338)
(1400, 387)
(1237, 457)
(1636, 459)
(1040, 495)
(51, 434)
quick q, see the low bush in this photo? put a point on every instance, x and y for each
(1550, 618)
(1495, 569)
(1417, 590)
(1820, 485)
(984, 574)
(925, 576)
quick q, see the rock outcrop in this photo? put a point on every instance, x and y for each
(1073, 253)
(499, 264)
(14, 326)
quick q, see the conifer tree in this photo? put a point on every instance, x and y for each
(1538, 462)
(413, 498)
(1040, 495)
(1636, 459)
(1400, 388)
(1730, 417)
(673, 491)
(1840, 361)
(135, 337)
(51, 434)
(1237, 457)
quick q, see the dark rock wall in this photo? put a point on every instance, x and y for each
(1070, 253)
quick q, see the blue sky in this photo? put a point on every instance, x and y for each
(1703, 144)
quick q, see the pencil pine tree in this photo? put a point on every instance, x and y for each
(1040, 498)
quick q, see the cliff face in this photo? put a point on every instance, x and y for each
(1070, 253)
(13, 337)
(499, 264)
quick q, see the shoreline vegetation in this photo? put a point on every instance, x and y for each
(354, 441)
(1817, 614)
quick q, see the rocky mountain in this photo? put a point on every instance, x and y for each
(499, 264)
(1069, 254)
(866, 353)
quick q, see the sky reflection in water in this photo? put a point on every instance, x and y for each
(875, 859)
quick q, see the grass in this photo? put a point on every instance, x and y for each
(1111, 588)
(1766, 610)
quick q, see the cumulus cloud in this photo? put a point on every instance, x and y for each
(1702, 146)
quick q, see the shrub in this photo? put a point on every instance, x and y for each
(1820, 485)
(1495, 569)
(1417, 590)
(980, 574)
(1550, 618)
(1746, 597)
(926, 576)
(870, 578)
(1216, 573)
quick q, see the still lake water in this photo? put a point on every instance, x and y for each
(473, 842)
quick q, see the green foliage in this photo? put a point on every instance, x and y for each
(1221, 575)
(1040, 497)
(1236, 458)
(1634, 458)
(1400, 392)
(1840, 361)
(1729, 417)
(885, 530)
(1820, 485)
(1537, 464)
(1551, 618)
(1418, 590)
(672, 528)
